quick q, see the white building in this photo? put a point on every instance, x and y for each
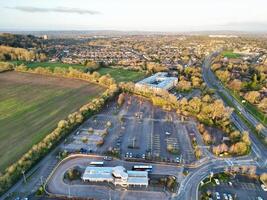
(117, 175)
(158, 81)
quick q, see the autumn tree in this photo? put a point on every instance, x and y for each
(121, 99)
(252, 96)
(235, 85)
(239, 148)
(263, 178)
(184, 85)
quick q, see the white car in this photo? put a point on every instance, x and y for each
(217, 181)
(259, 198)
(168, 133)
(217, 195)
(225, 196)
(264, 187)
(230, 197)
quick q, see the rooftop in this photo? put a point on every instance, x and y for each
(159, 80)
(117, 175)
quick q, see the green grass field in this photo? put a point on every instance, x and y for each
(49, 65)
(122, 75)
(31, 106)
(230, 54)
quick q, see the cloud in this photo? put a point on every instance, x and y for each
(57, 9)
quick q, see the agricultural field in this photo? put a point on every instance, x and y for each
(122, 75)
(31, 106)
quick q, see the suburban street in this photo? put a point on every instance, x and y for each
(214, 83)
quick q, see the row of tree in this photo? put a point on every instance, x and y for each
(4, 66)
(94, 77)
(64, 127)
(11, 53)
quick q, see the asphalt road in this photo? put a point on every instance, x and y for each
(212, 81)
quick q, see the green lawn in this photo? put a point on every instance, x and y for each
(122, 75)
(49, 64)
(230, 54)
(30, 107)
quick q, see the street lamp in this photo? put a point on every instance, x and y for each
(211, 175)
(24, 177)
(69, 191)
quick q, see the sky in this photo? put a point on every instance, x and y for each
(134, 15)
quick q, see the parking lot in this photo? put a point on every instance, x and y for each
(140, 131)
(240, 188)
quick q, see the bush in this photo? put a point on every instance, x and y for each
(73, 174)
(4, 66)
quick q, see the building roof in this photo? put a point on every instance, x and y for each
(117, 174)
(98, 173)
(159, 80)
(137, 173)
(137, 181)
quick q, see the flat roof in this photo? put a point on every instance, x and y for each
(137, 181)
(99, 176)
(159, 80)
(137, 173)
(97, 170)
(110, 173)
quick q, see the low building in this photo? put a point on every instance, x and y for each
(158, 81)
(116, 175)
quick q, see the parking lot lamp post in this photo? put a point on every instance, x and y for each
(69, 190)
(24, 177)
(41, 178)
(211, 175)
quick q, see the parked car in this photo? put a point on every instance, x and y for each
(264, 187)
(225, 197)
(108, 158)
(217, 195)
(217, 181)
(230, 197)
